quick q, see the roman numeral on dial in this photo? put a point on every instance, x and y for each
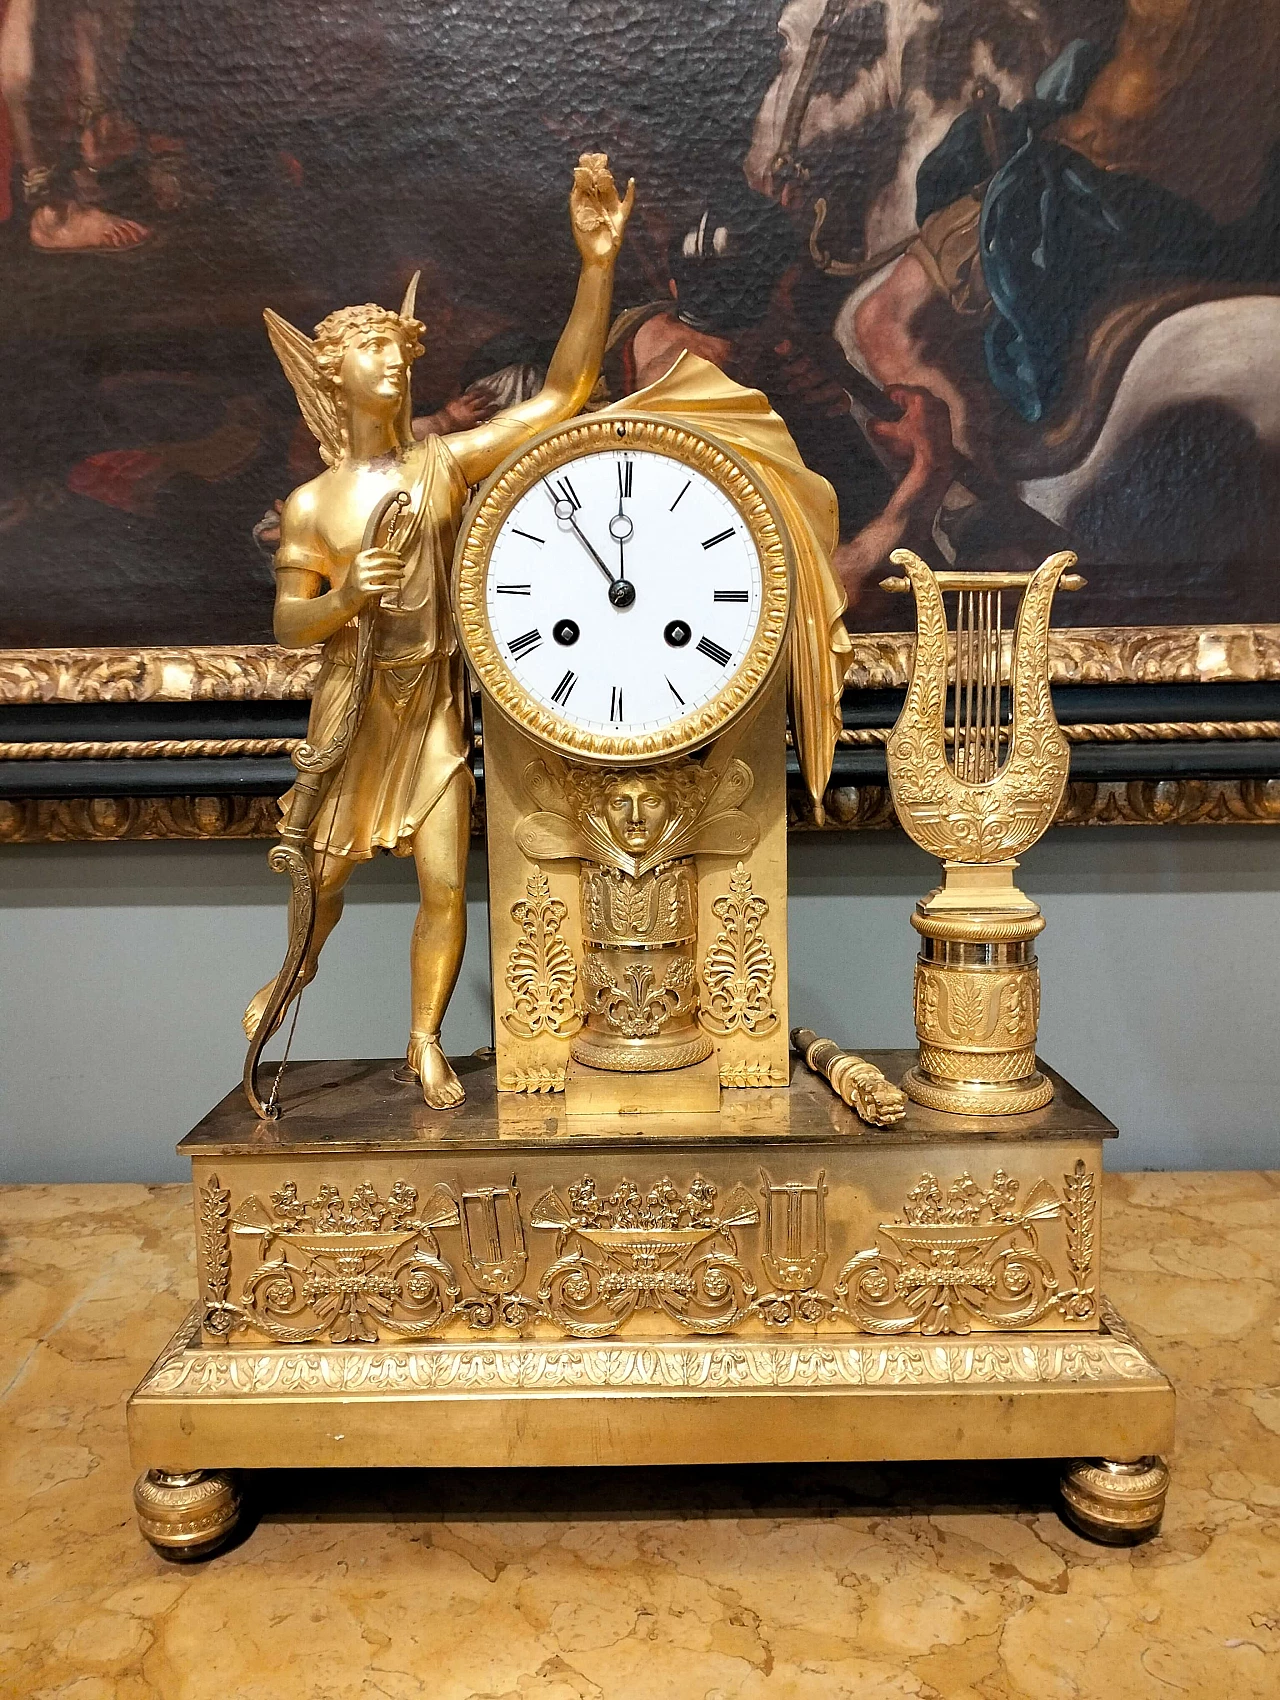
(710, 542)
(615, 703)
(564, 689)
(521, 645)
(513, 589)
(713, 651)
(625, 469)
(731, 596)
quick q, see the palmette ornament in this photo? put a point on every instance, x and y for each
(978, 793)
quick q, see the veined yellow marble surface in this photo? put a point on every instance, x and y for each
(955, 1582)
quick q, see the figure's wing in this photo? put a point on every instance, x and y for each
(548, 837)
(297, 354)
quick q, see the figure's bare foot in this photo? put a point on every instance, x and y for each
(440, 1085)
(74, 229)
(259, 1001)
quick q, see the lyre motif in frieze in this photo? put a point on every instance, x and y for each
(795, 1232)
(493, 1237)
(495, 1256)
(794, 1250)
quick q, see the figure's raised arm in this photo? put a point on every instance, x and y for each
(598, 216)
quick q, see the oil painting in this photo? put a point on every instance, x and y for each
(1007, 267)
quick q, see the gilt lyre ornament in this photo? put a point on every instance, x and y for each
(977, 793)
(993, 796)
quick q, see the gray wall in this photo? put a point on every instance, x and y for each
(125, 967)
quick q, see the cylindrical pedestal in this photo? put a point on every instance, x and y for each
(977, 1008)
(639, 938)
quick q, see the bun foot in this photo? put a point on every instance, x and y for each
(186, 1513)
(1120, 1504)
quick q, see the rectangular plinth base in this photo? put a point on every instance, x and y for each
(507, 1284)
(601, 1093)
(521, 1403)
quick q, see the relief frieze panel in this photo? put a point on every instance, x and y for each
(606, 1255)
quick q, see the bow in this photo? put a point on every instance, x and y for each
(318, 769)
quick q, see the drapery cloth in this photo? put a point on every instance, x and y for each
(697, 394)
(414, 734)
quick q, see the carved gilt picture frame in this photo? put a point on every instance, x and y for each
(1168, 726)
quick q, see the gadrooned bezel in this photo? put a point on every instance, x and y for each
(558, 447)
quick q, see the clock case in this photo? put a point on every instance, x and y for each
(538, 949)
(556, 449)
(583, 945)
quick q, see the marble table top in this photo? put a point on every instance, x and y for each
(933, 1582)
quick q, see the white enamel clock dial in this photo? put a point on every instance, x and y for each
(626, 591)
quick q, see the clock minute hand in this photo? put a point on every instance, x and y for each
(564, 510)
(591, 550)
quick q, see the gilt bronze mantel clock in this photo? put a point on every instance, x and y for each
(651, 1225)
